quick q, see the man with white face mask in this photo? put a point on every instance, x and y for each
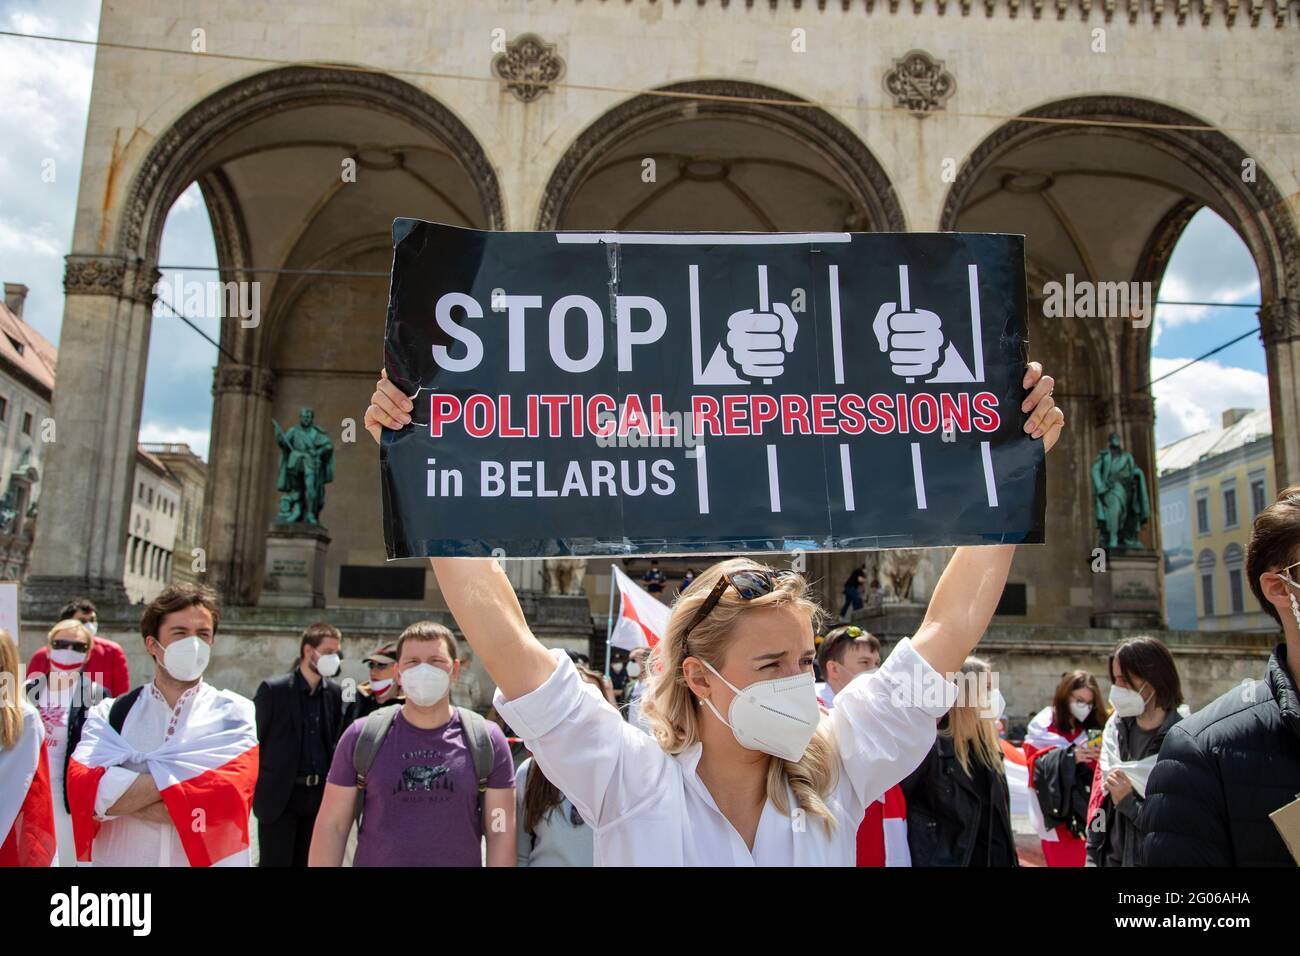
(435, 780)
(154, 762)
(299, 719)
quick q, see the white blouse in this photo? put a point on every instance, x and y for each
(649, 808)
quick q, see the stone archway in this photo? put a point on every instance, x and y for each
(832, 147)
(226, 142)
(1061, 184)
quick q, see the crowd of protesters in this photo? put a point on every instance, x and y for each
(716, 746)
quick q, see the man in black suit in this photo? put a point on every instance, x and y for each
(299, 720)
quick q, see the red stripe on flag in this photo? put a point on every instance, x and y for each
(629, 611)
(210, 811)
(83, 786)
(31, 839)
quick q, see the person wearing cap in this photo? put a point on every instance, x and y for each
(299, 722)
(380, 690)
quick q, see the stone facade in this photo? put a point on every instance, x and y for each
(1042, 118)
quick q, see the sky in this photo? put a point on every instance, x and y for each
(45, 89)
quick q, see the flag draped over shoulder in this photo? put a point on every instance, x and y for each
(26, 802)
(642, 618)
(205, 774)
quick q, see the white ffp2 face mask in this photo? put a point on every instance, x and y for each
(187, 658)
(1080, 710)
(425, 684)
(1127, 703)
(777, 717)
(327, 665)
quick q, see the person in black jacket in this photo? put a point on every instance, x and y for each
(1145, 694)
(1223, 770)
(958, 803)
(299, 720)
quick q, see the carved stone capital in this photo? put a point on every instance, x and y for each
(1279, 321)
(141, 281)
(247, 379)
(528, 67)
(918, 82)
(94, 275)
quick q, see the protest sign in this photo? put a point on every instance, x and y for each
(674, 393)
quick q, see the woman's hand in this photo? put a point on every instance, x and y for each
(1045, 418)
(390, 409)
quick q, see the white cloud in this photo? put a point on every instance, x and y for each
(1210, 263)
(197, 440)
(1195, 400)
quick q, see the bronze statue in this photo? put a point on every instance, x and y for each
(306, 467)
(1122, 503)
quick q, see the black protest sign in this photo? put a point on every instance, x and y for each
(660, 393)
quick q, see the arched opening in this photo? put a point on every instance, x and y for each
(1103, 206)
(301, 172)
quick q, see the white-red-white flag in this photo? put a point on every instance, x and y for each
(642, 618)
(205, 773)
(26, 803)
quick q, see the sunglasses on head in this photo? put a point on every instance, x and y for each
(62, 644)
(749, 584)
(850, 633)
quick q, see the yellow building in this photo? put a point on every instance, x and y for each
(1212, 484)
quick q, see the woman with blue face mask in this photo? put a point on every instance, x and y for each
(740, 766)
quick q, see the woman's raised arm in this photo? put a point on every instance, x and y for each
(969, 590)
(476, 590)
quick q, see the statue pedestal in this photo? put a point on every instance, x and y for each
(295, 566)
(1127, 594)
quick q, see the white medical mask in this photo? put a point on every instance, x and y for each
(634, 669)
(1127, 703)
(777, 717)
(92, 626)
(996, 707)
(67, 659)
(187, 658)
(378, 687)
(425, 684)
(616, 667)
(327, 665)
(1079, 710)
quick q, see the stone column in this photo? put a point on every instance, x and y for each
(80, 544)
(1279, 322)
(238, 473)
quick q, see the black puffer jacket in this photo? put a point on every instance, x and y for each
(1221, 772)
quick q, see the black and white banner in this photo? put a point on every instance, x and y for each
(628, 393)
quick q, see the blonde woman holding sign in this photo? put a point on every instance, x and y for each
(742, 767)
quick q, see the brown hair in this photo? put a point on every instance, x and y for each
(540, 795)
(835, 645)
(316, 633)
(11, 699)
(428, 631)
(1070, 682)
(1148, 660)
(175, 598)
(1274, 543)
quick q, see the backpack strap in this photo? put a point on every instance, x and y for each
(376, 727)
(480, 747)
(117, 713)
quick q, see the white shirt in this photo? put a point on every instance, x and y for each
(129, 840)
(650, 808)
(825, 694)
